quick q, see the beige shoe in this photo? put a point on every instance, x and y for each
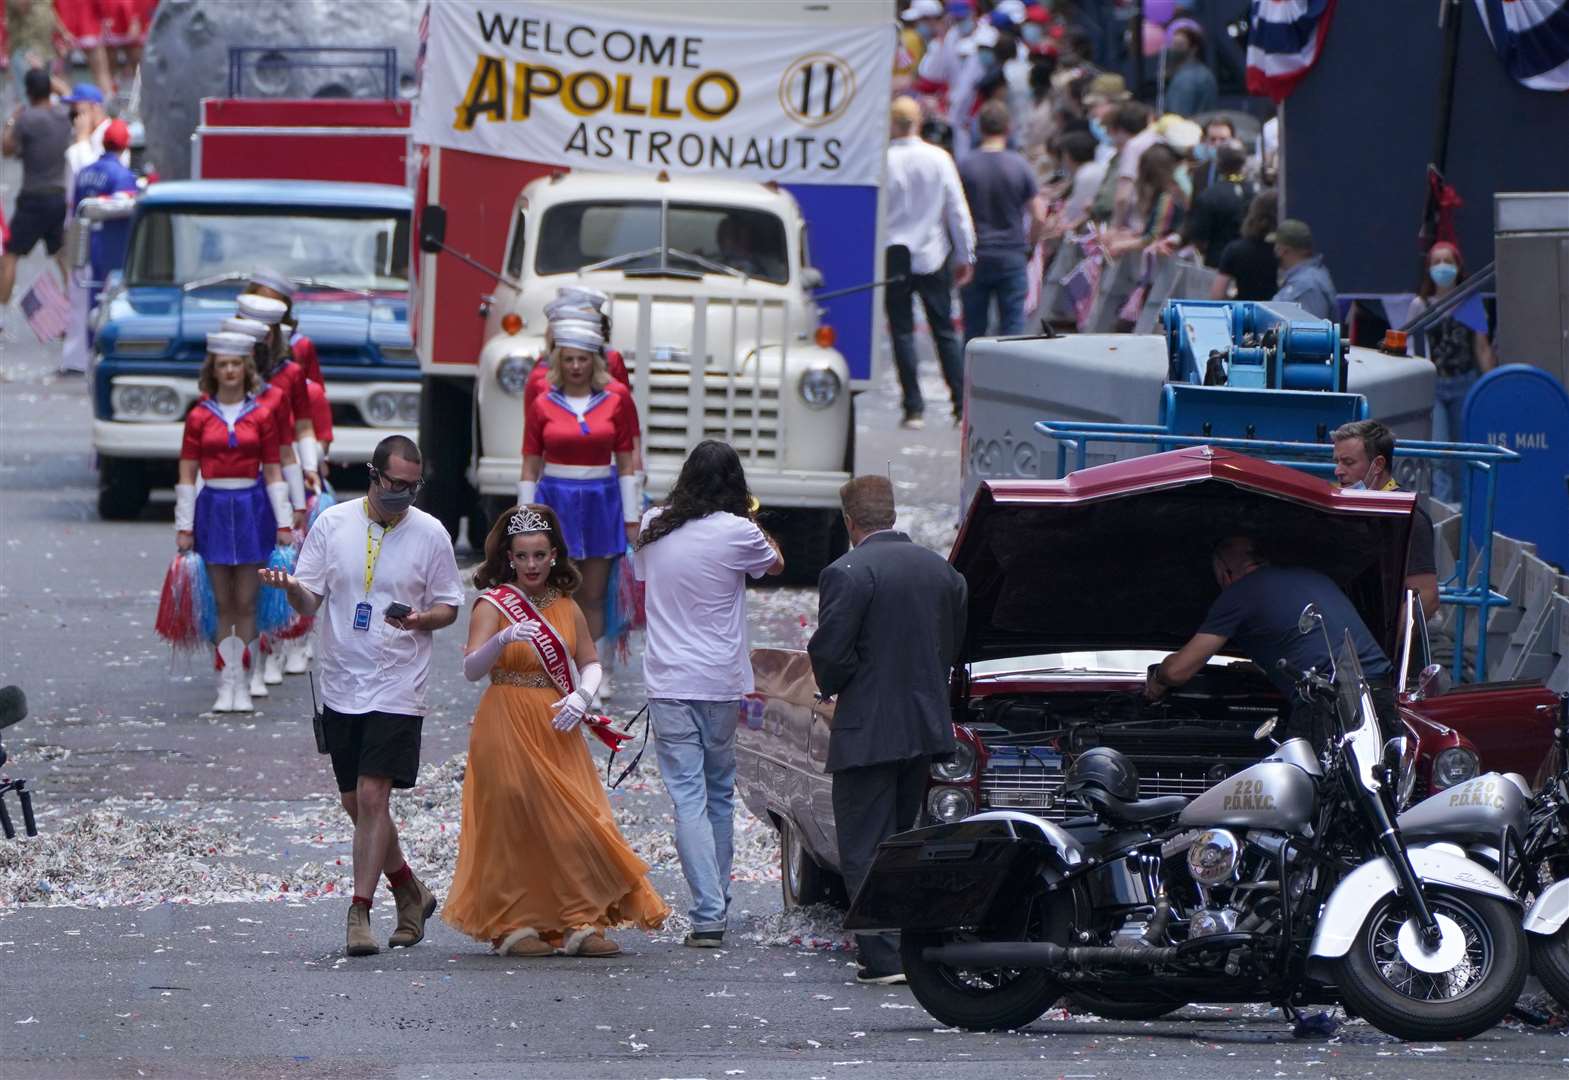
(416, 903)
(526, 943)
(589, 942)
(360, 940)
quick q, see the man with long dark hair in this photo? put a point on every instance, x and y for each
(695, 553)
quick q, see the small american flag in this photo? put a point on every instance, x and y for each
(46, 308)
(1081, 282)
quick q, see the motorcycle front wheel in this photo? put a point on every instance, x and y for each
(976, 1000)
(1475, 992)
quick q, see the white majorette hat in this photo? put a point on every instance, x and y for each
(239, 324)
(264, 309)
(275, 280)
(562, 309)
(582, 296)
(229, 343)
(577, 334)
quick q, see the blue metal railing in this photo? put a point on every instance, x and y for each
(1463, 589)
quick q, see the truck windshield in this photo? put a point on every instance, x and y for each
(697, 239)
(360, 251)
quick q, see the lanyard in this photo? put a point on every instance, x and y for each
(373, 548)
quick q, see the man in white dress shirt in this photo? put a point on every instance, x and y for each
(929, 228)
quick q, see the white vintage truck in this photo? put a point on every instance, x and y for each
(709, 309)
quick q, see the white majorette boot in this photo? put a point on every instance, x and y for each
(242, 679)
(295, 661)
(273, 671)
(231, 658)
(258, 684)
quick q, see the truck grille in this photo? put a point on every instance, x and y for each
(727, 413)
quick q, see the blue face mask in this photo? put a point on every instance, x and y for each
(1443, 274)
(987, 57)
(1032, 33)
(1203, 152)
(1098, 130)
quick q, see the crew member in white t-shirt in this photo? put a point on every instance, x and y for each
(359, 559)
(695, 554)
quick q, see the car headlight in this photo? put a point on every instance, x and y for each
(388, 407)
(820, 387)
(949, 803)
(1454, 766)
(512, 373)
(959, 767)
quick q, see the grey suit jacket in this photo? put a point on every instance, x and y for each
(890, 623)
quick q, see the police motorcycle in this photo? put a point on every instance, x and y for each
(1286, 883)
(1521, 837)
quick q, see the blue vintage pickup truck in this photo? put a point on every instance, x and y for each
(193, 245)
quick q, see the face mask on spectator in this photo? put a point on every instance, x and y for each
(1176, 53)
(966, 26)
(1032, 33)
(1098, 130)
(987, 57)
(1203, 152)
(925, 30)
(1443, 274)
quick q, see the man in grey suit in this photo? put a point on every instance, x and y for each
(890, 622)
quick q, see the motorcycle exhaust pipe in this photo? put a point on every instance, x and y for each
(1040, 954)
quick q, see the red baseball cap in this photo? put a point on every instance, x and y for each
(117, 136)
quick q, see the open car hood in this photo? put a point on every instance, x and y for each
(1118, 556)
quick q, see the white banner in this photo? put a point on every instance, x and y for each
(548, 82)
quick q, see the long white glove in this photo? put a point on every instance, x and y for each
(631, 499)
(571, 709)
(526, 489)
(278, 495)
(309, 451)
(477, 664)
(184, 507)
(294, 476)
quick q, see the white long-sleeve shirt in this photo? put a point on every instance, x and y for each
(925, 205)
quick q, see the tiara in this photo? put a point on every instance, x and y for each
(526, 521)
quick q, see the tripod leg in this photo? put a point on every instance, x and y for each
(27, 811)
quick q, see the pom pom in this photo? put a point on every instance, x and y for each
(187, 610)
(324, 499)
(273, 613)
(623, 610)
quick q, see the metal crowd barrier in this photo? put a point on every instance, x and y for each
(1466, 588)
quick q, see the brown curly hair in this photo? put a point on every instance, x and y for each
(497, 567)
(207, 379)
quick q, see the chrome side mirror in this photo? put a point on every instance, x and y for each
(1431, 681)
(1309, 618)
(1266, 729)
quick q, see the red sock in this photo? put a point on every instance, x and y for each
(361, 900)
(400, 877)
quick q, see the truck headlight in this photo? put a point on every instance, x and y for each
(1453, 766)
(949, 803)
(512, 373)
(387, 408)
(399, 355)
(820, 387)
(958, 767)
(134, 402)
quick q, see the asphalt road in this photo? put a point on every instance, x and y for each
(156, 803)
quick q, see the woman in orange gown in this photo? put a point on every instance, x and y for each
(542, 867)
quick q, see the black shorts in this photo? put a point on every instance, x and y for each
(373, 744)
(37, 217)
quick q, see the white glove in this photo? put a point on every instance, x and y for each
(526, 489)
(184, 507)
(294, 476)
(519, 631)
(632, 499)
(278, 495)
(309, 451)
(570, 711)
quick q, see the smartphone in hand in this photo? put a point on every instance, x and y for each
(398, 610)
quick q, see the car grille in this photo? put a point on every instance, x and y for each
(739, 411)
(1032, 780)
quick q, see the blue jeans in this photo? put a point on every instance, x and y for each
(1449, 396)
(1004, 280)
(695, 744)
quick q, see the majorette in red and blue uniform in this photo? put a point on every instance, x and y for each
(285, 393)
(579, 440)
(235, 516)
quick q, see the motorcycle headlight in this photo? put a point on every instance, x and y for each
(959, 767)
(946, 804)
(1454, 766)
(512, 373)
(820, 387)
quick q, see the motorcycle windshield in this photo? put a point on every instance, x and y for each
(1357, 716)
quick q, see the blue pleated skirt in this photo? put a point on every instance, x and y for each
(590, 513)
(234, 528)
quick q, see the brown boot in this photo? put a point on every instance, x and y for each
(360, 942)
(416, 903)
(525, 942)
(589, 942)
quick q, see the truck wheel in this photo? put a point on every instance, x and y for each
(446, 420)
(1469, 997)
(122, 489)
(809, 541)
(802, 880)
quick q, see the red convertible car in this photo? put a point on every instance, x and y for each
(1075, 587)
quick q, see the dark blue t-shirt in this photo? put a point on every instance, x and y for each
(107, 176)
(1258, 618)
(998, 185)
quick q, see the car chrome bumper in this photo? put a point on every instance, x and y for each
(161, 441)
(784, 488)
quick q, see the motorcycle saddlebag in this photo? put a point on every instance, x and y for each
(948, 876)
